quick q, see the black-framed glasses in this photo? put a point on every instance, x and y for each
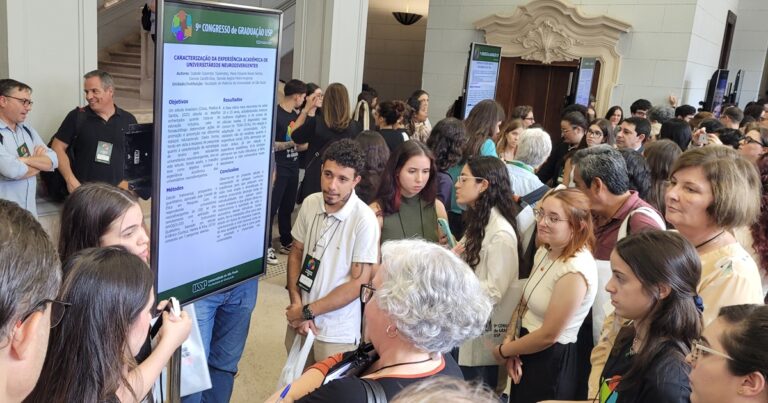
(366, 293)
(24, 101)
(750, 140)
(58, 308)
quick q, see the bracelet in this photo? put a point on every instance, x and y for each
(502, 354)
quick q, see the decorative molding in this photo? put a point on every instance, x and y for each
(554, 30)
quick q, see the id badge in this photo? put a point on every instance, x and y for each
(308, 272)
(103, 152)
(23, 150)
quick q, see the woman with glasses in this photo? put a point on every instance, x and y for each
(90, 354)
(422, 302)
(540, 350)
(657, 292)
(491, 247)
(730, 362)
(713, 190)
(599, 132)
(754, 144)
(406, 205)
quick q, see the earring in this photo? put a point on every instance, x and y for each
(740, 391)
(390, 332)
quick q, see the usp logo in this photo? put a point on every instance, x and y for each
(181, 26)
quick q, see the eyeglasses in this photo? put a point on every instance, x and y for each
(463, 179)
(529, 119)
(24, 101)
(594, 133)
(58, 308)
(750, 140)
(366, 293)
(548, 219)
(700, 350)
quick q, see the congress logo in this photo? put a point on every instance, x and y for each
(181, 26)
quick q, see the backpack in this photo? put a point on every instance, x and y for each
(26, 129)
(146, 18)
(53, 182)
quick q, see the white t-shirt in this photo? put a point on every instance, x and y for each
(541, 284)
(337, 240)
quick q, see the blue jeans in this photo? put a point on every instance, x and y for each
(224, 320)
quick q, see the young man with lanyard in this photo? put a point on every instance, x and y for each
(335, 245)
(23, 154)
(287, 161)
(601, 173)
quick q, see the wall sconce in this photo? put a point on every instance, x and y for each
(406, 18)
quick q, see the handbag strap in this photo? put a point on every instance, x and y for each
(374, 392)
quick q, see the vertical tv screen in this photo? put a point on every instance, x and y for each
(214, 116)
(482, 74)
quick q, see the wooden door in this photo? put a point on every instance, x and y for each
(543, 86)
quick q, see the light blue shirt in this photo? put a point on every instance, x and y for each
(12, 170)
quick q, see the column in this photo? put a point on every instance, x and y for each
(48, 45)
(329, 43)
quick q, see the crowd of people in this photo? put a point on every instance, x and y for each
(625, 260)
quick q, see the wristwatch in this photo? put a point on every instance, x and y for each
(307, 313)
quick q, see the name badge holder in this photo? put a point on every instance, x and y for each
(311, 264)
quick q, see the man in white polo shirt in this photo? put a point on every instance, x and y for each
(335, 245)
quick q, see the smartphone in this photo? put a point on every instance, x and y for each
(443, 223)
(703, 138)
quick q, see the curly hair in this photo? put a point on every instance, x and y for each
(392, 111)
(431, 295)
(388, 195)
(447, 141)
(760, 227)
(376, 156)
(347, 153)
(498, 194)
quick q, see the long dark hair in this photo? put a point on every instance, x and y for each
(389, 195)
(88, 352)
(88, 213)
(480, 123)
(674, 322)
(447, 141)
(376, 156)
(660, 155)
(498, 194)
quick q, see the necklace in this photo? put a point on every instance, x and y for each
(710, 239)
(400, 364)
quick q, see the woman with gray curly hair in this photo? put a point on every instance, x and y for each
(421, 303)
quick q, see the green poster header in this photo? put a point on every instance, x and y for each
(201, 25)
(486, 53)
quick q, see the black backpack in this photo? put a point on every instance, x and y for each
(146, 18)
(54, 184)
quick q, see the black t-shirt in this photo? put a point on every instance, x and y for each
(99, 147)
(393, 138)
(287, 161)
(666, 381)
(315, 132)
(350, 390)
